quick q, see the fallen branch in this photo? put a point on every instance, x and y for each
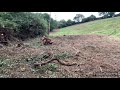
(62, 63)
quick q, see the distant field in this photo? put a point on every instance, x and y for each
(110, 26)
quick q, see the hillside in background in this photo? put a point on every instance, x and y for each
(109, 26)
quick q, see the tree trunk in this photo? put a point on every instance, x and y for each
(49, 24)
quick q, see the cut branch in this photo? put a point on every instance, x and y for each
(60, 62)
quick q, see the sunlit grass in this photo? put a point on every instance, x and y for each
(110, 26)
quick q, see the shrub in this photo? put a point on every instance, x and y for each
(24, 24)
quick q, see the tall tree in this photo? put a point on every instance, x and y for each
(78, 17)
(69, 22)
(62, 23)
(92, 17)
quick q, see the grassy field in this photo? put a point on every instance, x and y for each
(110, 26)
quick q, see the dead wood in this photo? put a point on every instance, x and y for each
(46, 41)
(55, 59)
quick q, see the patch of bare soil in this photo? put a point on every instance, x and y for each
(80, 56)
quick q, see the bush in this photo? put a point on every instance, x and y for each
(24, 24)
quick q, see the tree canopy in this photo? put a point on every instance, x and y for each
(106, 14)
(78, 17)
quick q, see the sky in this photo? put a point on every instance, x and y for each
(70, 15)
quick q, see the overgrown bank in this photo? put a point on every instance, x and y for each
(26, 24)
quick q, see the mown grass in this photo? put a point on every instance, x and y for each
(110, 26)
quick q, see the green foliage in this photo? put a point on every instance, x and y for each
(63, 55)
(62, 23)
(4, 62)
(90, 18)
(52, 67)
(48, 67)
(5, 21)
(53, 25)
(25, 24)
(78, 17)
(106, 14)
(69, 22)
(31, 26)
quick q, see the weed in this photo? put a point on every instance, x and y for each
(4, 62)
(64, 55)
(52, 67)
(48, 67)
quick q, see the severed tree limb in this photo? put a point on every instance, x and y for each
(44, 63)
(61, 62)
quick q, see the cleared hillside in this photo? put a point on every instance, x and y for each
(110, 26)
(70, 56)
(85, 56)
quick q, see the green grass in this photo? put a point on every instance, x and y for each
(110, 26)
(64, 55)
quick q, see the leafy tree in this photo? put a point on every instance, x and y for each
(46, 16)
(62, 23)
(53, 24)
(78, 17)
(92, 17)
(69, 22)
(106, 14)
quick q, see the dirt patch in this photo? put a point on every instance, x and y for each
(94, 55)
